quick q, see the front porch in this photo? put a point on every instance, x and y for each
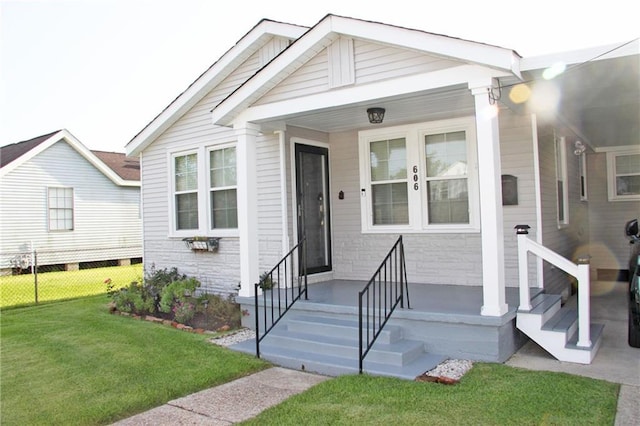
(321, 333)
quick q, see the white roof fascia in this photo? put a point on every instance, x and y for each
(608, 51)
(463, 74)
(244, 48)
(66, 136)
(330, 28)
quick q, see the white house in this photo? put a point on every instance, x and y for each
(69, 204)
(274, 141)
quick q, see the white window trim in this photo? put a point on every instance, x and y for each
(414, 136)
(582, 176)
(204, 215)
(611, 174)
(560, 155)
(73, 209)
(218, 232)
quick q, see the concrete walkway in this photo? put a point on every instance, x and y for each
(615, 362)
(231, 402)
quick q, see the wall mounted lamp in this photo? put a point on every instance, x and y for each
(376, 115)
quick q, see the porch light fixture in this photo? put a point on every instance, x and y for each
(376, 115)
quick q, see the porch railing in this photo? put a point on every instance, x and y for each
(279, 289)
(379, 298)
(580, 271)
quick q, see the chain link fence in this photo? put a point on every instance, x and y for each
(34, 277)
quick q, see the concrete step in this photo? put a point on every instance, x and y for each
(338, 328)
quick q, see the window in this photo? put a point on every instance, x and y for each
(388, 160)
(447, 189)
(223, 193)
(419, 178)
(623, 169)
(582, 170)
(562, 186)
(204, 192)
(186, 191)
(60, 201)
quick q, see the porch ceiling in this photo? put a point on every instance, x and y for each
(600, 100)
(433, 105)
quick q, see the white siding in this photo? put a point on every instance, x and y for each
(107, 224)
(373, 62)
(570, 241)
(609, 247)
(516, 148)
(219, 271)
(431, 258)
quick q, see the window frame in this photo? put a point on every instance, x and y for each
(562, 180)
(205, 219)
(612, 156)
(582, 175)
(414, 135)
(173, 192)
(209, 189)
(50, 208)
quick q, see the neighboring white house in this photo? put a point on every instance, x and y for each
(72, 205)
(284, 113)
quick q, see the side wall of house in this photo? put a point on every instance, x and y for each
(431, 258)
(107, 223)
(609, 248)
(568, 240)
(218, 271)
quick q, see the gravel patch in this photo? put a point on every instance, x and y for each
(451, 368)
(235, 337)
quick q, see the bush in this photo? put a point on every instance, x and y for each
(171, 295)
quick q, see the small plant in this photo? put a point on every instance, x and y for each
(133, 299)
(266, 281)
(177, 291)
(183, 312)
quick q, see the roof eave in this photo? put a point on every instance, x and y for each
(246, 46)
(331, 27)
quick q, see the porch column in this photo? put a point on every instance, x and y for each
(490, 180)
(246, 134)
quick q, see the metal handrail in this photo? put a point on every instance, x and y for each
(281, 295)
(379, 298)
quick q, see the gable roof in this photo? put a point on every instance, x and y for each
(328, 29)
(216, 73)
(128, 168)
(11, 152)
(120, 170)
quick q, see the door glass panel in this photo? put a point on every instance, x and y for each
(313, 206)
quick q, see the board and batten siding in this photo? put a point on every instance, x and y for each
(107, 222)
(218, 271)
(609, 247)
(373, 62)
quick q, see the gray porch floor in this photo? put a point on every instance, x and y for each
(435, 298)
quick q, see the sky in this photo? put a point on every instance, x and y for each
(103, 69)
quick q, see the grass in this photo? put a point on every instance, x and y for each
(17, 290)
(74, 363)
(490, 394)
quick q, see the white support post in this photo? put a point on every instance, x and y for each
(491, 221)
(523, 267)
(584, 304)
(247, 206)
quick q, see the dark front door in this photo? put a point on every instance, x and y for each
(312, 187)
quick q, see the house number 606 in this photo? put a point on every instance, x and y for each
(415, 178)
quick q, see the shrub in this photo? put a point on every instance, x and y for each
(177, 291)
(133, 299)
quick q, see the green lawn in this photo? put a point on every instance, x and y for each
(20, 289)
(74, 363)
(490, 394)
